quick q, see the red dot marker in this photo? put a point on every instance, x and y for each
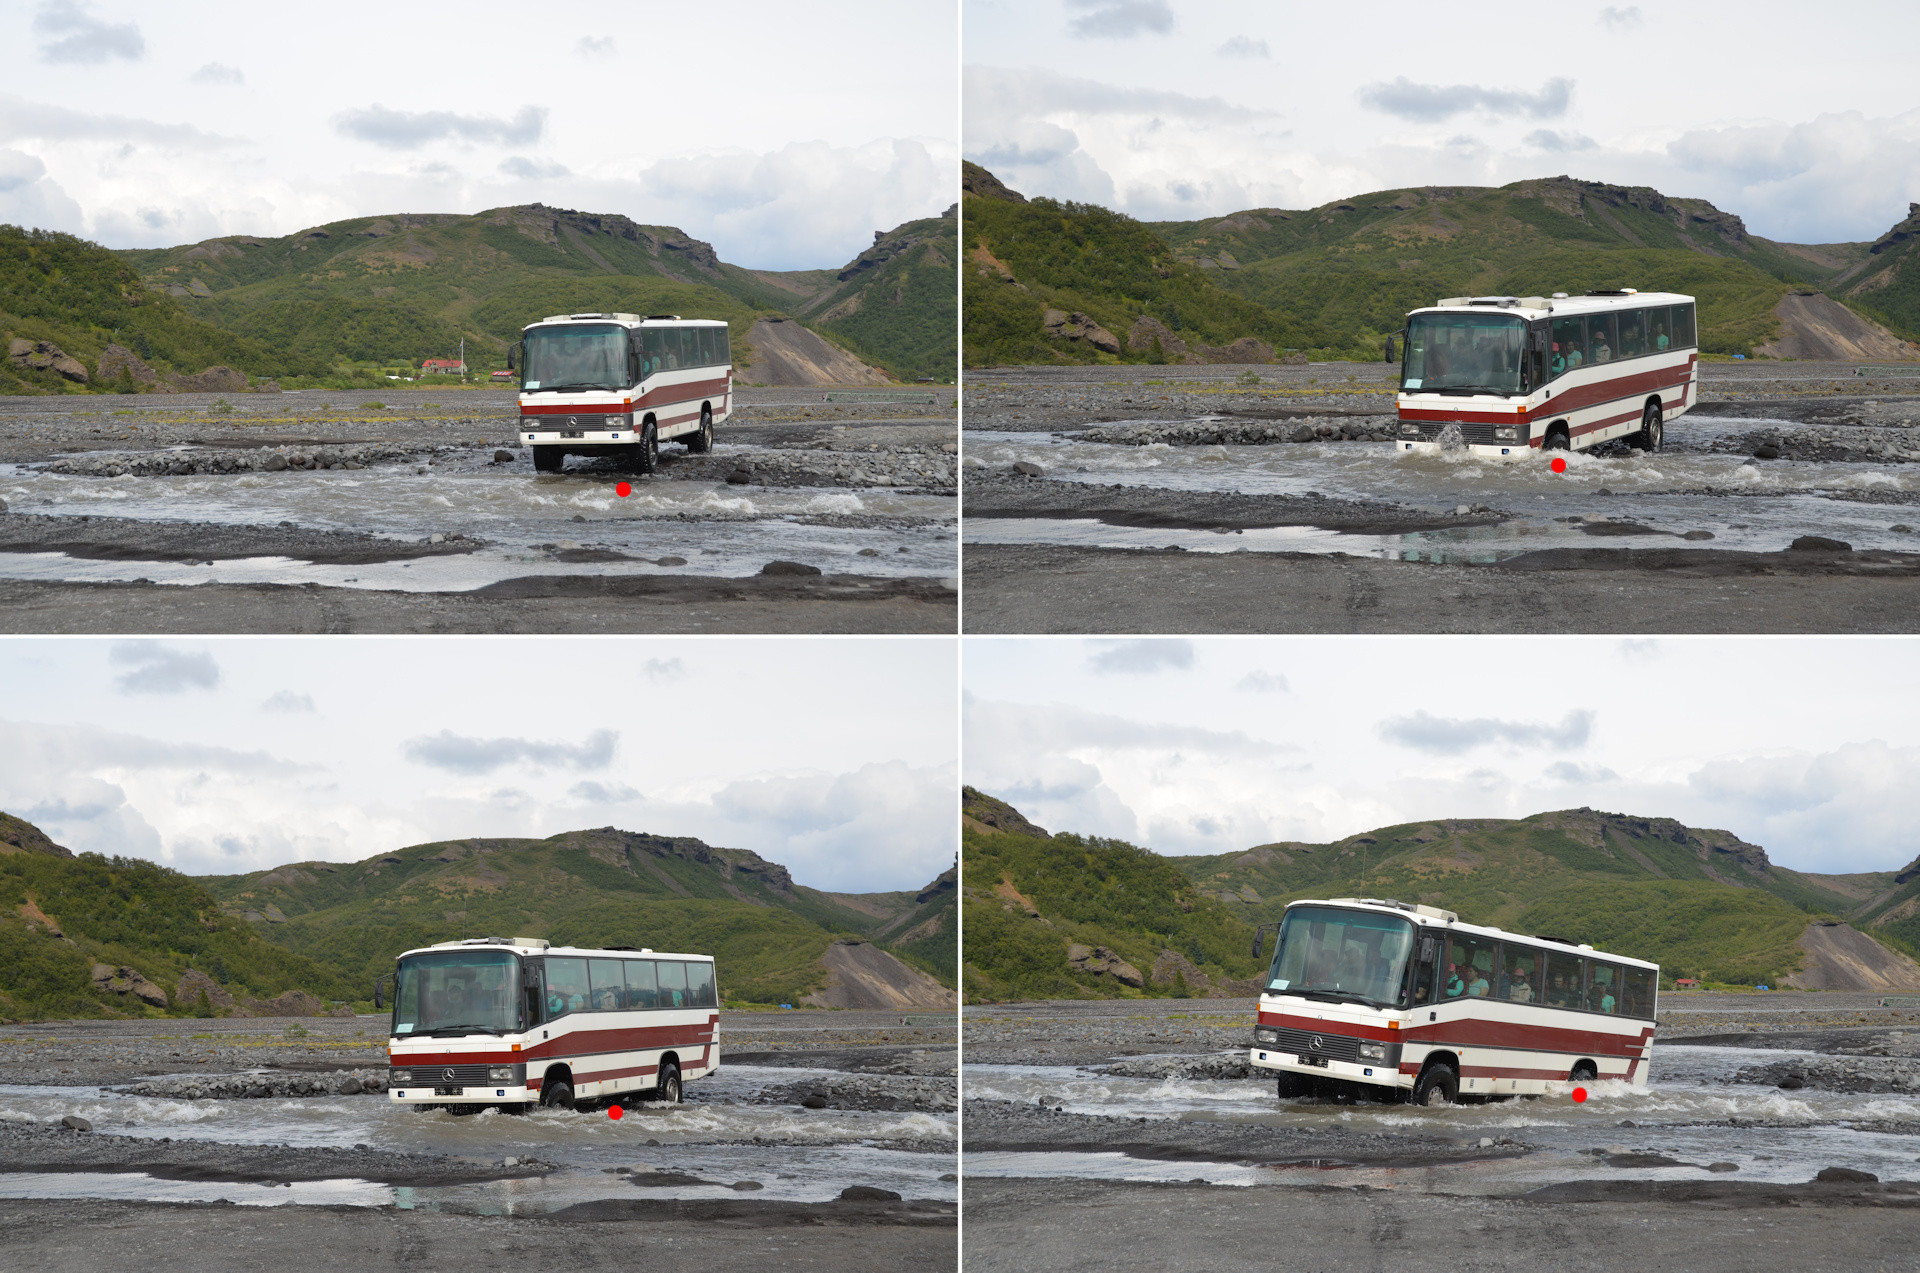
(1579, 1095)
(623, 490)
(1559, 465)
(614, 1111)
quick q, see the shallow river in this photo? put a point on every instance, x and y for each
(1754, 505)
(801, 1155)
(1684, 1115)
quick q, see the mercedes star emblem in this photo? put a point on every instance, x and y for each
(450, 1068)
(1313, 1043)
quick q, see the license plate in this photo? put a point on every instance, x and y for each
(574, 433)
(1318, 1061)
(461, 1091)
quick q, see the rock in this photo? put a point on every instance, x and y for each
(125, 981)
(867, 1193)
(671, 561)
(745, 1186)
(437, 539)
(1901, 528)
(1077, 326)
(76, 1122)
(1722, 1166)
(1100, 961)
(3, 506)
(1028, 468)
(578, 518)
(116, 359)
(1246, 349)
(276, 464)
(869, 552)
(1846, 1175)
(503, 457)
(291, 1003)
(788, 568)
(1172, 967)
(1791, 1083)
(1766, 451)
(1818, 544)
(194, 984)
(1486, 1142)
(1462, 510)
(216, 379)
(739, 477)
(815, 1101)
(1147, 330)
(1698, 534)
(44, 355)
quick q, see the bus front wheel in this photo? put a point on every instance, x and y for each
(668, 1089)
(1557, 439)
(1437, 1085)
(1290, 1085)
(1648, 439)
(557, 1094)
(548, 459)
(702, 442)
(647, 459)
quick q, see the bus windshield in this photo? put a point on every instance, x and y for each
(1342, 955)
(576, 356)
(1464, 352)
(457, 991)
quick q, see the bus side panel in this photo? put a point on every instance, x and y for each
(1515, 1048)
(611, 1053)
(1604, 402)
(673, 398)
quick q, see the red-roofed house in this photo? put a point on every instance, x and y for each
(443, 366)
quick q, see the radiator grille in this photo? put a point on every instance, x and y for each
(448, 1075)
(1334, 1047)
(1472, 432)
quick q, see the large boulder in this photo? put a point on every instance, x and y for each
(197, 984)
(290, 1003)
(212, 380)
(117, 359)
(125, 981)
(1146, 330)
(1077, 326)
(1173, 967)
(1246, 349)
(1098, 961)
(44, 355)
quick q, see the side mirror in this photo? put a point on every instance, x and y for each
(513, 356)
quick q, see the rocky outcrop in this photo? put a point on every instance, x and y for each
(291, 1003)
(20, 836)
(943, 884)
(215, 379)
(1901, 233)
(126, 981)
(196, 985)
(1173, 969)
(1591, 200)
(976, 180)
(44, 355)
(117, 361)
(997, 814)
(1246, 349)
(1077, 326)
(884, 249)
(1098, 961)
(1146, 331)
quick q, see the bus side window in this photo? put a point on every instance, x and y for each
(1520, 974)
(1562, 985)
(1603, 987)
(1683, 334)
(724, 354)
(1425, 969)
(1636, 991)
(1603, 344)
(1657, 339)
(609, 985)
(706, 347)
(533, 1003)
(566, 986)
(1569, 344)
(673, 983)
(700, 985)
(1633, 333)
(640, 992)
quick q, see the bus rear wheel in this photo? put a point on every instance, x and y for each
(1437, 1085)
(1584, 1073)
(1648, 439)
(548, 459)
(702, 442)
(668, 1088)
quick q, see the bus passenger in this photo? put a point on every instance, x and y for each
(1455, 986)
(1477, 983)
(1559, 361)
(1573, 357)
(1602, 352)
(1517, 988)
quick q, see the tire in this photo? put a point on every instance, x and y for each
(702, 442)
(1651, 430)
(668, 1088)
(1558, 439)
(1289, 1085)
(1437, 1085)
(647, 459)
(548, 459)
(1584, 1073)
(557, 1094)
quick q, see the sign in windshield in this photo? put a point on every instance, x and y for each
(1464, 352)
(1357, 956)
(455, 990)
(576, 356)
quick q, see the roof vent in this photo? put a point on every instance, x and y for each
(1615, 291)
(483, 941)
(538, 943)
(1559, 296)
(672, 318)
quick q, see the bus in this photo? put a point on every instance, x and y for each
(1511, 376)
(1381, 998)
(489, 1021)
(618, 385)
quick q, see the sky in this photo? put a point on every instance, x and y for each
(835, 757)
(783, 134)
(1808, 747)
(1806, 126)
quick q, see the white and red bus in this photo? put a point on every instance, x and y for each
(618, 385)
(1370, 997)
(1512, 376)
(514, 1023)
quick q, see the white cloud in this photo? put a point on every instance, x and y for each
(663, 669)
(156, 668)
(532, 169)
(1150, 654)
(1621, 17)
(76, 36)
(1120, 19)
(1430, 102)
(218, 74)
(1259, 681)
(409, 130)
(289, 702)
(598, 47)
(842, 831)
(462, 755)
(1441, 736)
(22, 120)
(1245, 46)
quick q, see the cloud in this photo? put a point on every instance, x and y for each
(1849, 809)
(154, 668)
(1639, 649)
(83, 38)
(663, 669)
(22, 120)
(452, 752)
(846, 831)
(1620, 18)
(602, 793)
(408, 130)
(1259, 682)
(532, 169)
(1434, 102)
(217, 73)
(289, 702)
(1120, 19)
(595, 46)
(1244, 46)
(1441, 736)
(1149, 655)
(1560, 143)
(1568, 772)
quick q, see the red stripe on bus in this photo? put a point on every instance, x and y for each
(574, 408)
(1477, 1033)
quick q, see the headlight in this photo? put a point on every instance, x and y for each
(400, 1076)
(500, 1074)
(1409, 430)
(1266, 1034)
(1372, 1051)
(1506, 433)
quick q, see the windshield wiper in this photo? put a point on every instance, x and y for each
(1473, 389)
(567, 388)
(1339, 996)
(457, 1029)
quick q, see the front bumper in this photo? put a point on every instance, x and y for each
(1379, 1073)
(579, 437)
(1502, 450)
(463, 1094)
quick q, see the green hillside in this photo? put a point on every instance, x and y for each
(61, 915)
(1336, 279)
(603, 887)
(82, 297)
(1031, 897)
(370, 291)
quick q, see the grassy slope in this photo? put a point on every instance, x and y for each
(1697, 901)
(125, 911)
(590, 887)
(81, 297)
(900, 314)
